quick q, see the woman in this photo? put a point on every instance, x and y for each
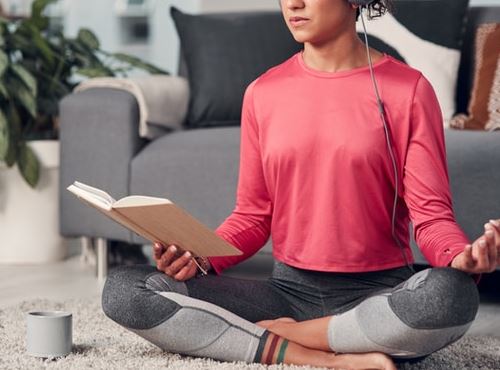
(315, 170)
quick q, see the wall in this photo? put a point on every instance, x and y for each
(162, 45)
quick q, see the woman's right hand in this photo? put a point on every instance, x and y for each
(179, 266)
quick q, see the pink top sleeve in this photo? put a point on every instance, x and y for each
(426, 182)
(248, 227)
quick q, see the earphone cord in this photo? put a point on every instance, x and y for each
(387, 137)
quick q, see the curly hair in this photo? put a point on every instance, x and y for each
(378, 8)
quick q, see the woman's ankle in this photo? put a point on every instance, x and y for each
(275, 349)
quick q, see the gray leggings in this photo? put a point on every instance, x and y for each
(405, 315)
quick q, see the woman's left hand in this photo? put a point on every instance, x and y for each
(484, 253)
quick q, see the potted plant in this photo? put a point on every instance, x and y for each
(39, 66)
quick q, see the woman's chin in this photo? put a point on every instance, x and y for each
(301, 38)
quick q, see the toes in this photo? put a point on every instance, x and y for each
(264, 323)
(286, 319)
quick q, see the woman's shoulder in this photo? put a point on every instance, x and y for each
(399, 76)
(401, 68)
(277, 72)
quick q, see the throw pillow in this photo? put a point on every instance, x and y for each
(224, 52)
(484, 103)
(426, 35)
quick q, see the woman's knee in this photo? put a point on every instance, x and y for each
(129, 296)
(436, 298)
(430, 310)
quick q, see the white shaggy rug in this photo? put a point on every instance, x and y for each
(99, 343)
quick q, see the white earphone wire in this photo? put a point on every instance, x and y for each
(387, 137)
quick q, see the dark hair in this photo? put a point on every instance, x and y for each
(377, 8)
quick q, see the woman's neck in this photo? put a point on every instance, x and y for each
(338, 55)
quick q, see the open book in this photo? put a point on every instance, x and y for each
(157, 220)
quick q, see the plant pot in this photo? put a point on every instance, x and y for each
(29, 218)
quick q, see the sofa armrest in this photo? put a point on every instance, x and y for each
(99, 137)
(162, 99)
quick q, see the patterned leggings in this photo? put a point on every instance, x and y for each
(394, 311)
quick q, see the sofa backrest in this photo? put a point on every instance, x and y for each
(475, 16)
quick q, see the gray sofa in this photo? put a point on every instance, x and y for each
(198, 168)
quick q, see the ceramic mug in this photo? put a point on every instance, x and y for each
(49, 333)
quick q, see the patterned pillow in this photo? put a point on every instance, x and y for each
(426, 35)
(484, 103)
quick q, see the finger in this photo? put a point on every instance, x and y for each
(158, 250)
(468, 258)
(495, 229)
(496, 223)
(176, 265)
(482, 261)
(167, 257)
(475, 251)
(491, 240)
(185, 271)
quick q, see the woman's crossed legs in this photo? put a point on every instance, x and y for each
(214, 316)
(430, 310)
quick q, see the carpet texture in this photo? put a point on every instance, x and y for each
(99, 343)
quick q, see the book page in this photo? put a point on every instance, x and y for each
(139, 200)
(89, 197)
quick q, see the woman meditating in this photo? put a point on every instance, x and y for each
(317, 174)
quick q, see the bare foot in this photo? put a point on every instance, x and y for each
(362, 361)
(267, 323)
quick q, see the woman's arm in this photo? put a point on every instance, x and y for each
(428, 196)
(248, 227)
(426, 181)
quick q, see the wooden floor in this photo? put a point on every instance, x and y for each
(72, 279)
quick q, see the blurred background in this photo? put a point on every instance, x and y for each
(142, 28)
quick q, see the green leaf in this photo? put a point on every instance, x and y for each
(29, 38)
(25, 76)
(88, 38)
(4, 136)
(23, 96)
(43, 46)
(136, 62)
(28, 165)
(4, 62)
(21, 43)
(15, 134)
(37, 8)
(3, 90)
(92, 72)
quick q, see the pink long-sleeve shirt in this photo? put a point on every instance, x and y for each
(315, 172)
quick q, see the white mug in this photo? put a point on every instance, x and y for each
(49, 333)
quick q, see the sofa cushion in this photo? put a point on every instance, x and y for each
(198, 169)
(427, 38)
(224, 52)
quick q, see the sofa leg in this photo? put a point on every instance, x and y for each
(102, 258)
(87, 256)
